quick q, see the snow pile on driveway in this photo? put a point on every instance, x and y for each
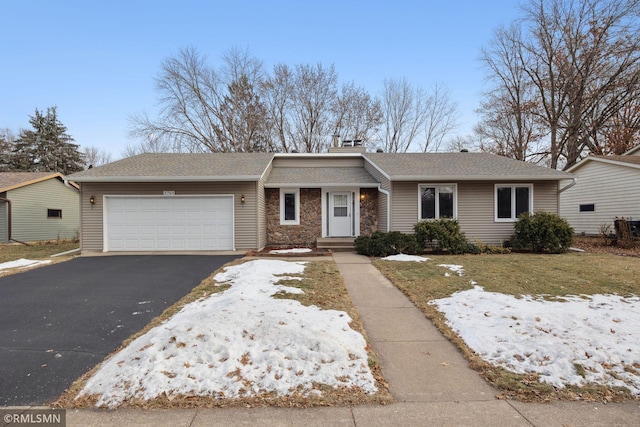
(239, 343)
(601, 333)
(22, 263)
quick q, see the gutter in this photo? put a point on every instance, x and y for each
(574, 180)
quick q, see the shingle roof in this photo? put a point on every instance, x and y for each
(634, 160)
(621, 160)
(181, 167)
(11, 180)
(251, 166)
(320, 176)
(459, 166)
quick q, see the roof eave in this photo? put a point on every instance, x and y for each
(479, 178)
(33, 181)
(602, 160)
(320, 184)
(244, 178)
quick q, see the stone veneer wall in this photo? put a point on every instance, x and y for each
(310, 227)
(368, 211)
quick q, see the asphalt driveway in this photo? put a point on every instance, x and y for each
(58, 321)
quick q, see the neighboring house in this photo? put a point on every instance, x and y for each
(243, 201)
(38, 206)
(607, 187)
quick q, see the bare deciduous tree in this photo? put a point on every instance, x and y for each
(357, 115)
(509, 124)
(404, 114)
(204, 109)
(313, 95)
(278, 98)
(441, 117)
(94, 156)
(585, 57)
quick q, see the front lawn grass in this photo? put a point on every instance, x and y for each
(35, 250)
(323, 287)
(517, 274)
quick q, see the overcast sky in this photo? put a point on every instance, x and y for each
(96, 60)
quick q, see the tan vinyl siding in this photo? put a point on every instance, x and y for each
(475, 208)
(29, 211)
(246, 226)
(261, 209)
(317, 162)
(383, 180)
(383, 200)
(614, 191)
(404, 206)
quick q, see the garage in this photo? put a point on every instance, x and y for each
(173, 223)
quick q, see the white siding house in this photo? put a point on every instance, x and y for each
(607, 187)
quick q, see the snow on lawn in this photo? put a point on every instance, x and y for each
(290, 251)
(453, 267)
(238, 343)
(406, 258)
(599, 332)
(22, 263)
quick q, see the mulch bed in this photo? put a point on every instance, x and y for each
(266, 252)
(600, 245)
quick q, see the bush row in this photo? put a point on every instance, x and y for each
(541, 232)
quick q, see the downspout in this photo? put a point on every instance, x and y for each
(66, 183)
(386, 193)
(574, 180)
(8, 202)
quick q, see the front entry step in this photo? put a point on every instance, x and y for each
(336, 243)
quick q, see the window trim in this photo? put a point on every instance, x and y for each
(49, 216)
(513, 200)
(437, 207)
(586, 207)
(295, 191)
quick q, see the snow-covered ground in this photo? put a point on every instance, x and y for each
(241, 342)
(601, 333)
(290, 251)
(21, 263)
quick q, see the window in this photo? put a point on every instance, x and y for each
(588, 208)
(437, 201)
(54, 213)
(513, 200)
(290, 207)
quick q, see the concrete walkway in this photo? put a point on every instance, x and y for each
(429, 379)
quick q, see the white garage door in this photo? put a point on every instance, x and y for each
(169, 223)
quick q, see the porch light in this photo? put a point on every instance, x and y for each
(242, 199)
(92, 199)
(362, 196)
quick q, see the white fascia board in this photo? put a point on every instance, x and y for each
(319, 185)
(166, 178)
(480, 178)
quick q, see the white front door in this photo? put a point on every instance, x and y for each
(340, 214)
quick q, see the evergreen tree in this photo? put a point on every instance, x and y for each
(46, 148)
(6, 145)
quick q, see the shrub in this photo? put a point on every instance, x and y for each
(442, 235)
(542, 232)
(381, 244)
